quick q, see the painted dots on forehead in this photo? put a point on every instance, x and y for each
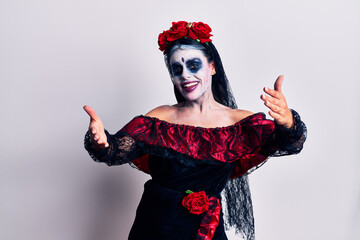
(182, 55)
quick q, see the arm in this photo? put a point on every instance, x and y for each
(111, 149)
(291, 132)
(121, 149)
(286, 141)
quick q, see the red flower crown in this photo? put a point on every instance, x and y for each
(198, 31)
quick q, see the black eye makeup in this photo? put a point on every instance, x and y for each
(176, 69)
(194, 65)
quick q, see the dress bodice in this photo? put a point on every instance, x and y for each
(247, 143)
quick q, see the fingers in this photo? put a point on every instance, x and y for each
(273, 93)
(103, 144)
(98, 138)
(276, 92)
(276, 102)
(274, 115)
(270, 99)
(91, 112)
(278, 83)
(278, 109)
(96, 129)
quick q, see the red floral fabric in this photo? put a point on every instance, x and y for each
(240, 142)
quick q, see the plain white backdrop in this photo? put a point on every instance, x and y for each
(56, 56)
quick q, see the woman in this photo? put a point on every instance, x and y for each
(192, 149)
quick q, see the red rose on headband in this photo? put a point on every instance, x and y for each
(162, 41)
(196, 202)
(177, 31)
(198, 31)
(202, 31)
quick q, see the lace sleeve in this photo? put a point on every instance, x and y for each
(122, 149)
(286, 141)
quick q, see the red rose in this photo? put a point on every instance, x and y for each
(177, 31)
(196, 202)
(202, 31)
(197, 31)
(162, 41)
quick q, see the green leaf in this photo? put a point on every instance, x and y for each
(188, 191)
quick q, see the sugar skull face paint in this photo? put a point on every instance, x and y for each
(191, 73)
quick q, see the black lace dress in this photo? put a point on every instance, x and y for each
(210, 160)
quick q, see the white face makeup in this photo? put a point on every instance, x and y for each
(191, 73)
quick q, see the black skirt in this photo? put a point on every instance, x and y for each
(161, 216)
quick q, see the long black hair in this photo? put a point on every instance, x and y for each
(220, 85)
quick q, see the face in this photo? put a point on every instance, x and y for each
(191, 73)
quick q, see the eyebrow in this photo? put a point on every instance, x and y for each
(193, 60)
(175, 64)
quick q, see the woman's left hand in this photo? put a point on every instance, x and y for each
(276, 102)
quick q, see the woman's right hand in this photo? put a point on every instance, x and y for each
(96, 129)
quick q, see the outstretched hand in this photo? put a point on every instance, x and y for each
(276, 102)
(96, 129)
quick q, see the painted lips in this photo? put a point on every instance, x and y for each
(188, 87)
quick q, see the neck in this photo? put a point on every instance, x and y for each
(203, 104)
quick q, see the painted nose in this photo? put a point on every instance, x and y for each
(186, 74)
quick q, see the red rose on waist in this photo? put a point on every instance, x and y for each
(196, 202)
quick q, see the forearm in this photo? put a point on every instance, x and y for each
(122, 149)
(96, 152)
(286, 141)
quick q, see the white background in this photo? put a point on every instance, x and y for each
(56, 56)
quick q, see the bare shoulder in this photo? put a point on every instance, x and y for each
(161, 112)
(239, 114)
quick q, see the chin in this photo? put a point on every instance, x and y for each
(191, 97)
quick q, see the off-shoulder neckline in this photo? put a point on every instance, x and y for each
(252, 116)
